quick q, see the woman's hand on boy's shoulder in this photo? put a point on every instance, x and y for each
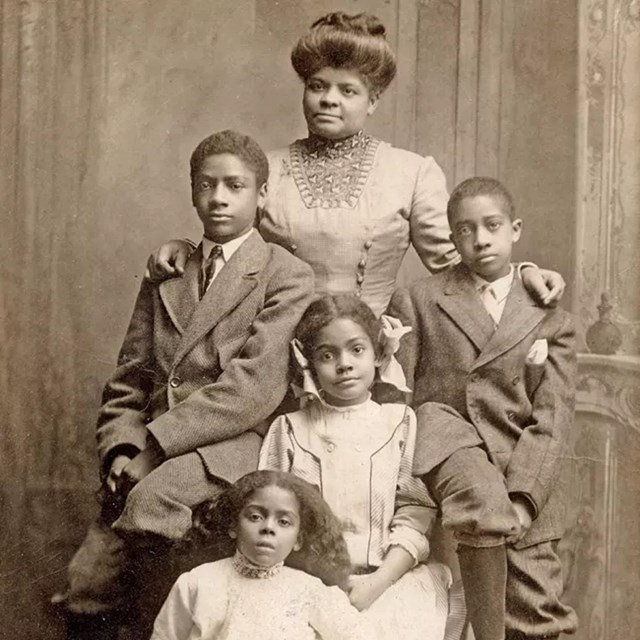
(546, 286)
(168, 261)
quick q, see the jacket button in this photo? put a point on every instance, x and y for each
(175, 382)
(511, 415)
(294, 248)
(362, 264)
(331, 447)
(516, 380)
(359, 278)
(368, 244)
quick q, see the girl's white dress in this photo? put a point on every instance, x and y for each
(361, 459)
(225, 601)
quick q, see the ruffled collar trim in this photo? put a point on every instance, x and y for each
(317, 145)
(248, 569)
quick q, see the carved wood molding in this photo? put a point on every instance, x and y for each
(609, 386)
(608, 163)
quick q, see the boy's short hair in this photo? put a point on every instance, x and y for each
(479, 186)
(234, 143)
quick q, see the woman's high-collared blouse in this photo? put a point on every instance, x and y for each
(350, 208)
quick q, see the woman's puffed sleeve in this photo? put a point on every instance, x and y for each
(428, 220)
(277, 447)
(333, 617)
(415, 510)
(175, 620)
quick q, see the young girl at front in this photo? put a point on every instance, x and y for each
(268, 519)
(360, 453)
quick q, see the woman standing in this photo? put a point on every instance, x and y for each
(343, 201)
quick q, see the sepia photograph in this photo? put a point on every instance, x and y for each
(320, 320)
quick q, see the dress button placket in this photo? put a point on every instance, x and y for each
(362, 263)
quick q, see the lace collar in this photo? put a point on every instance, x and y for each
(332, 173)
(317, 146)
(248, 569)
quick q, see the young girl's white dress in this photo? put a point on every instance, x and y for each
(221, 601)
(361, 458)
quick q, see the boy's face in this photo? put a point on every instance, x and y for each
(483, 235)
(226, 197)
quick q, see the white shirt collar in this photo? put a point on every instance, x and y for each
(228, 248)
(500, 287)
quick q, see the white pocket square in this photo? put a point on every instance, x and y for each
(538, 353)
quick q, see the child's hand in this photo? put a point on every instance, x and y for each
(140, 467)
(524, 515)
(168, 261)
(366, 589)
(115, 473)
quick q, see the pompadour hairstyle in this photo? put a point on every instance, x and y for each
(344, 41)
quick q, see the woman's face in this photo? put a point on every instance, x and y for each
(337, 103)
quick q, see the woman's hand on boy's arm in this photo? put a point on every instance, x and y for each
(546, 286)
(168, 261)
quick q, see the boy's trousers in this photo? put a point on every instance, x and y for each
(102, 574)
(475, 505)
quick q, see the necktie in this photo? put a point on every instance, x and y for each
(490, 302)
(209, 269)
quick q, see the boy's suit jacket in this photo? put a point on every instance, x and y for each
(521, 411)
(204, 375)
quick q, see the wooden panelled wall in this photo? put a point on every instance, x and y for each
(101, 104)
(496, 96)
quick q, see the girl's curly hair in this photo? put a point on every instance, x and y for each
(323, 551)
(344, 41)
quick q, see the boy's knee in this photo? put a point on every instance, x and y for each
(473, 499)
(483, 522)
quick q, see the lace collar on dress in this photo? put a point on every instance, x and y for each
(332, 173)
(248, 569)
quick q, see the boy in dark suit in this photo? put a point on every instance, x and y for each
(493, 378)
(203, 364)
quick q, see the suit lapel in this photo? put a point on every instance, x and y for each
(521, 316)
(180, 295)
(462, 304)
(231, 286)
